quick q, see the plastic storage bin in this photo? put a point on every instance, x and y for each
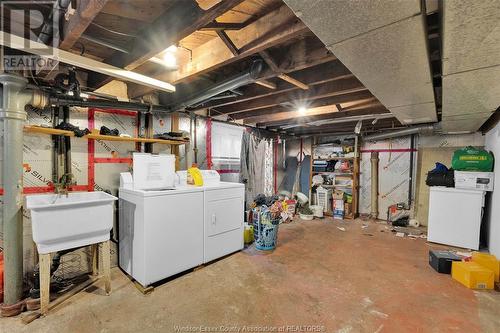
(488, 261)
(472, 275)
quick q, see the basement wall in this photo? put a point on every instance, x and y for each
(432, 149)
(493, 144)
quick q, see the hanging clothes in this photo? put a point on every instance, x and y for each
(256, 166)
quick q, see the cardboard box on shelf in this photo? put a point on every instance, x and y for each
(338, 195)
(338, 209)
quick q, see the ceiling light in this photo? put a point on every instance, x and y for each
(302, 110)
(170, 60)
(171, 49)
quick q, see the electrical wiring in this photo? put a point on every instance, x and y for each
(112, 31)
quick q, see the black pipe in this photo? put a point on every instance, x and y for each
(67, 144)
(63, 100)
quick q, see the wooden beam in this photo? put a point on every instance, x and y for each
(326, 72)
(266, 84)
(267, 113)
(180, 21)
(343, 127)
(268, 31)
(377, 109)
(275, 68)
(228, 42)
(269, 61)
(297, 97)
(293, 81)
(84, 14)
(16, 42)
(216, 26)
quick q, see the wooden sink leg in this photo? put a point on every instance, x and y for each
(106, 265)
(44, 266)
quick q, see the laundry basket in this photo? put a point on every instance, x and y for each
(265, 229)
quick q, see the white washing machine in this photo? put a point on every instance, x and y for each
(163, 232)
(160, 232)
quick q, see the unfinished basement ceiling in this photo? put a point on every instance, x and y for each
(471, 63)
(384, 44)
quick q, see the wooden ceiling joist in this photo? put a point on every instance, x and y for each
(184, 18)
(275, 68)
(267, 113)
(379, 109)
(77, 23)
(270, 30)
(217, 26)
(314, 75)
(266, 83)
(228, 42)
(298, 97)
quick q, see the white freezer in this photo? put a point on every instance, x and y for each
(455, 216)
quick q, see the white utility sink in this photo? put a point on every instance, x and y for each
(61, 222)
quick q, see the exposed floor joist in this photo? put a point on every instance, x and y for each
(322, 73)
(298, 97)
(77, 23)
(184, 18)
(273, 29)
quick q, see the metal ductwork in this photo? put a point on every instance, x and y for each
(471, 63)
(384, 44)
(14, 98)
(47, 30)
(231, 83)
(399, 133)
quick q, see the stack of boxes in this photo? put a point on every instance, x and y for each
(338, 205)
(480, 271)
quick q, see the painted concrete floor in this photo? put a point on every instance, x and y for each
(357, 280)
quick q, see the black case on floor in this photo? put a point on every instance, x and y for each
(441, 260)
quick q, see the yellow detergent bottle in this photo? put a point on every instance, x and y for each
(194, 176)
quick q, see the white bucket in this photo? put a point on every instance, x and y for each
(317, 210)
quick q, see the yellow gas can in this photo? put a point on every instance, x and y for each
(489, 261)
(472, 275)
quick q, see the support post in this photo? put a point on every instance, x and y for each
(374, 185)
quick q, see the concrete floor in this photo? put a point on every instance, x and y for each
(358, 280)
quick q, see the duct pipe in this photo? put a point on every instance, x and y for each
(62, 100)
(229, 84)
(404, 132)
(14, 98)
(374, 185)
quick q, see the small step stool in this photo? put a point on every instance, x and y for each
(99, 249)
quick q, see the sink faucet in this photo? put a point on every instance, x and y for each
(63, 185)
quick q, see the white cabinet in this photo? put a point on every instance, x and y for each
(223, 220)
